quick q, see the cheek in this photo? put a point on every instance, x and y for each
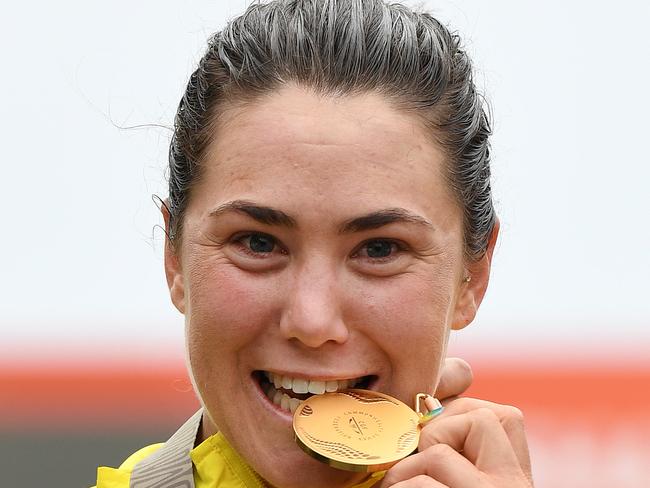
(408, 305)
(410, 318)
(227, 307)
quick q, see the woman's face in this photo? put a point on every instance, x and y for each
(321, 245)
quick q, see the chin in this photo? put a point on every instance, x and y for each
(264, 436)
(275, 456)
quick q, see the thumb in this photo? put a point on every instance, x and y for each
(455, 379)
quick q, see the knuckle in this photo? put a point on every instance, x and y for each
(464, 403)
(512, 417)
(441, 451)
(513, 413)
(420, 481)
(485, 414)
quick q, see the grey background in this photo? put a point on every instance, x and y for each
(66, 459)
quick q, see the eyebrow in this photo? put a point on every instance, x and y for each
(374, 220)
(377, 219)
(264, 215)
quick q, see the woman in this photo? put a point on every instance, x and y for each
(329, 222)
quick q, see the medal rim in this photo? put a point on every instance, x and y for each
(358, 466)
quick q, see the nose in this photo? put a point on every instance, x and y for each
(312, 314)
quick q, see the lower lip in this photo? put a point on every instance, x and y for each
(269, 405)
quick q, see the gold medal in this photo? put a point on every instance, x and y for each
(359, 430)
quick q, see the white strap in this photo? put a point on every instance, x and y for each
(171, 465)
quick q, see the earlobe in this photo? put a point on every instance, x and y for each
(473, 289)
(173, 270)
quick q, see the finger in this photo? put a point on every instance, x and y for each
(455, 379)
(421, 481)
(439, 463)
(481, 438)
(511, 418)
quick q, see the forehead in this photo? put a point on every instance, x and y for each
(294, 144)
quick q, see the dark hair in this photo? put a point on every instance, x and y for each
(341, 47)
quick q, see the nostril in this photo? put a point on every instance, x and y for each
(313, 333)
(312, 315)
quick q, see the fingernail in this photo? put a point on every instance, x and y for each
(432, 403)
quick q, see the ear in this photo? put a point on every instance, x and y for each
(472, 292)
(173, 270)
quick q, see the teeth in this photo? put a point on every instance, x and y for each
(284, 403)
(331, 386)
(277, 398)
(300, 385)
(276, 382)
(316, 387)
(293, 404)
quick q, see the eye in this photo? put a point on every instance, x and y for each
(379, 250)
(257, 244)
(260, 243)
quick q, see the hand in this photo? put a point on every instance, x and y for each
(456, 377)
(472, 444)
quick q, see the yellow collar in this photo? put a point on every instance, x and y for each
(217, 464)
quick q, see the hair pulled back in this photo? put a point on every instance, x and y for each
(342, 47)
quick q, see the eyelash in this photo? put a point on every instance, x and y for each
(398, 247)
(240, 238)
